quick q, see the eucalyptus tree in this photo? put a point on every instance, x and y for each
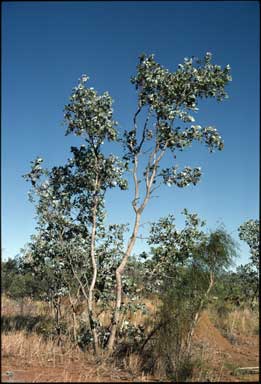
(70, 204)
(171, 249)
(161, 124)
(89, 116)
(53, 243)
(71, 199)
(190, 247)
(61, 249)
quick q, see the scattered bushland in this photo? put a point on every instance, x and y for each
(99, 297)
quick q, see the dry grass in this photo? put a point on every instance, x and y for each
(11, 307)
(237, 322)
(28, 350)
(35, 348)
(45, 361)
(239, 329)
(210, 363)
(244, 322)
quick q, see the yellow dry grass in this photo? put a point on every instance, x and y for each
(244, 322)
(33, 348)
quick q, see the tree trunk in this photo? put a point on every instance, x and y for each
(73, 306)
(152, 167)
(57, 307)
(74, 328)
(92, 319)
(119, 272)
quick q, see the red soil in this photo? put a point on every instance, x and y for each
(223, 358)
(72, 373)
(223, 354)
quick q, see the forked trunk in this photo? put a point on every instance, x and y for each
(119, 271)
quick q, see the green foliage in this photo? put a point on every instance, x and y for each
(73, 248)
(182, 269)
(168, 349)
(17, 282)
(218, 252)
(70, 199)
(247, 276)
(169, 97)
(162, 89)
(239, 288)
(172, 248)
(90, 115)
(9, 270)
(191, 246)
(250, 232)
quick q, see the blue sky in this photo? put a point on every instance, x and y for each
(46, 46)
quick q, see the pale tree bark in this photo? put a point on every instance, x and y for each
(88, 293)
(119, 271)
(150, 175)
(92, 319)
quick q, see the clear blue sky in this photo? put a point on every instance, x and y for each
(46, 46)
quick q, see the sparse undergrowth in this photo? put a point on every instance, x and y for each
(30, 348)
(233, 323)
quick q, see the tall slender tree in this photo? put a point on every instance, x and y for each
(166, 99)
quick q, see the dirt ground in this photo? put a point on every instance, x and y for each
(225, 357)
(60, 373)
(222, 356)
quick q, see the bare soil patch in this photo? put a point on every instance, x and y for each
(70, 372)
(225, 357)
